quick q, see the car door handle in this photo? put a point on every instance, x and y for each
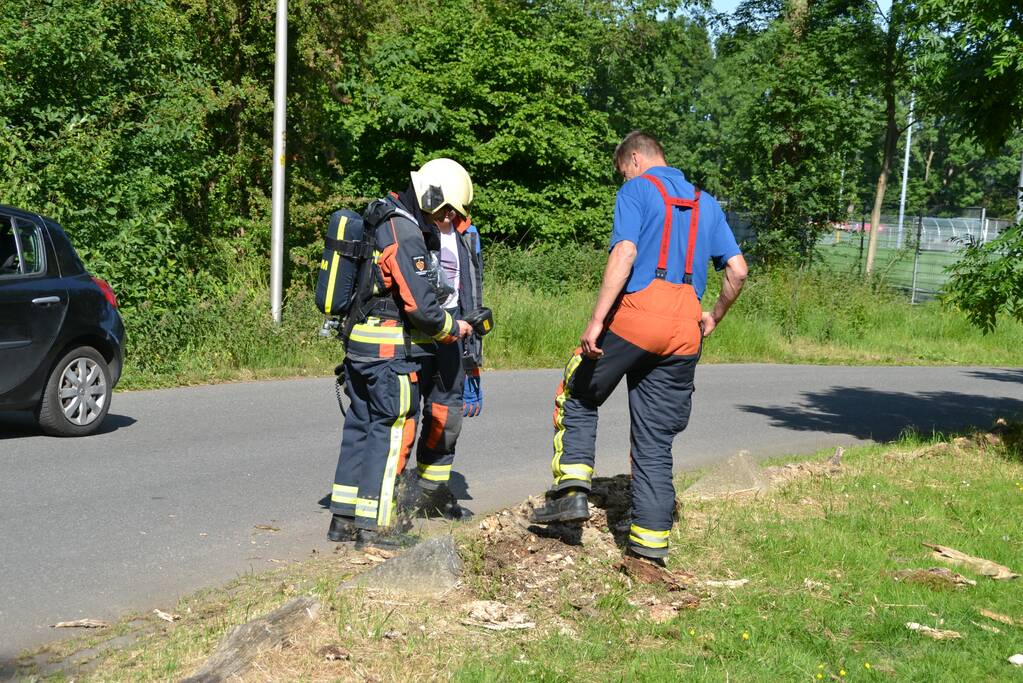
(46, 300)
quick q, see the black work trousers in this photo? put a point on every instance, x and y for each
(375, 441)
(660, 398)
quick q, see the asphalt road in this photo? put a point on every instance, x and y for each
(167, 498)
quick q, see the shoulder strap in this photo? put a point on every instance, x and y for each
(670, 203)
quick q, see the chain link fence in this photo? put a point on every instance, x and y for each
(912, 257)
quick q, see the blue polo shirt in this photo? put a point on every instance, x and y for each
(639, 218)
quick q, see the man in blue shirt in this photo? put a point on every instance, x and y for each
(648, 325)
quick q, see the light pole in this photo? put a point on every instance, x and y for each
(279, 139)
(905, 163)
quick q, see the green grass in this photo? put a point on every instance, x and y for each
(894, 267)
(847, 531)
(821, 317)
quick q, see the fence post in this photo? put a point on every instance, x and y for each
(916, 256)
(863, 224)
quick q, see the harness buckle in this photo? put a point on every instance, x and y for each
(661, 273)
(687, 279)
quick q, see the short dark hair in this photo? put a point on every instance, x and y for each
(637, 141)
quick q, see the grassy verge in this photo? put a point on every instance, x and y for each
(818, 551)
(782, 317)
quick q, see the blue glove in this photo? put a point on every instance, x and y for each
(472, 394)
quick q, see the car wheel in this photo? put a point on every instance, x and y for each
(77, 394)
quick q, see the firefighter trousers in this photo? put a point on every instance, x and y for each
(376, 438)
(660, 398)
(441, 382)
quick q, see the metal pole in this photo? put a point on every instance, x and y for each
(1019, 192)
(279, 139)
(905, 161)
(916, 258)
(863, 226)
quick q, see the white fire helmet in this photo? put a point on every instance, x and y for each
(442, 182)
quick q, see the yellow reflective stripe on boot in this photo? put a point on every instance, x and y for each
(394, 452)
(366, 507)
(648, 538)
(346, 495)
(439, 473)
(559, 416)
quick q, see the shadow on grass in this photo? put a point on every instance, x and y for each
(885, 415)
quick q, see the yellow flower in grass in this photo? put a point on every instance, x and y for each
(745, 635)
(866, 665)
(841, 672)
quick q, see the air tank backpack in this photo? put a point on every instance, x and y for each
(347, 246)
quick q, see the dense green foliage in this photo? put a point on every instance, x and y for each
(144, 126)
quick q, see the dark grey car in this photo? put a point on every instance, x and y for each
(61, 336)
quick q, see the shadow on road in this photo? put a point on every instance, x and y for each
(18, 425)
(884, 415)
(1007, 375)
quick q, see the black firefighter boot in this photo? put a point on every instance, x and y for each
(569, 505)
(441, 502)
(341, 529)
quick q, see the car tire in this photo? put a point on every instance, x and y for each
(77, 394)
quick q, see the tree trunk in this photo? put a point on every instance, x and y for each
(891, 140)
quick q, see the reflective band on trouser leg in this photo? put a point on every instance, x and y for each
(365, 507)
(561, 472)
(648, 538)
(344, 495)
(438, 473)
(394, 453)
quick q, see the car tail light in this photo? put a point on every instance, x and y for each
(107, 291)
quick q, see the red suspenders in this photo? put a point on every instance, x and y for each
(694, 218)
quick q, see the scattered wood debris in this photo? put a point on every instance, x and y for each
(496, 616)
(334, 653)
(267, 527)
(995, 616)
(644, 571)
(166, 616)
(983, 567)
(81, 623)
(934, 633)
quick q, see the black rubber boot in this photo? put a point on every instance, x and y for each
(341, 529)
(440, 502)
(570, 505)
(658, 558)
(389, 539)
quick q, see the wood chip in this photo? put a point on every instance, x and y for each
(986, 627)
(166, 616)
(267, 527)
(378, 553)
(1016, 660)
(995, 616)
(334, 653)
(81, 623)
(730, 583)
(977, 564)
(934, 633)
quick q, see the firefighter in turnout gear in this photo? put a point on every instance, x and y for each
(449, 381)
(399, 324)
(647, 326)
